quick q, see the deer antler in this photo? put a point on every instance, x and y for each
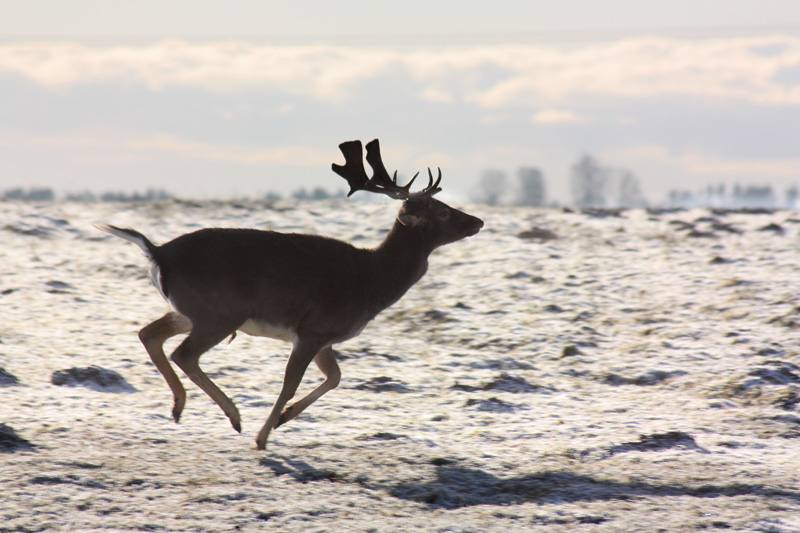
(380, 182)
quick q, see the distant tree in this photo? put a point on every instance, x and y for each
(792, 195)
(36, 194)
(42, 194)
(716, 195)
(629, 193)
(754, 196)
(588, 182)
(491, 187)
(741, 196)
(14, 194)
(84, 196)
(531, 187)
(680, 198)
(320, 194)
(151, 195)
(316, 194)
(109, 196)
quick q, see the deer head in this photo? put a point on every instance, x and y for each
(436, 221)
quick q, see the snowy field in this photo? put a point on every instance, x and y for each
(558, 371)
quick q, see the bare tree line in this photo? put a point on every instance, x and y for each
(596, 185)
(46, 194)
(722, 195)
(591, 185)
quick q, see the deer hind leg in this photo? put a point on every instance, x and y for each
(153, 337)
(202, 338)
(302, 354)
(326, 362)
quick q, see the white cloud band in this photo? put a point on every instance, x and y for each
(761, 71)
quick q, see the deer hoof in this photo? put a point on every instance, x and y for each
(177, 408)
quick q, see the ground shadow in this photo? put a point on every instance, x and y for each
(456, 487)
(298, 470)
(11, 442)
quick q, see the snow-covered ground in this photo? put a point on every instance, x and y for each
(634, 373)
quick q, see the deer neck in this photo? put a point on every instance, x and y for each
(402, 258)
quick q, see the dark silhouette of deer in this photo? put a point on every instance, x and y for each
(310, 290)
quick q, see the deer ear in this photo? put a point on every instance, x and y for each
(409, 220)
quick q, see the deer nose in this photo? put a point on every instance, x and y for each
(477, 224)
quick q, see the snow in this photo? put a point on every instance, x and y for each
(627, 373)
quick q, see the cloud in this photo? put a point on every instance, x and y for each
(555, 116)
(438, 96)
(321, 71)
(753, 70)
(732, 69)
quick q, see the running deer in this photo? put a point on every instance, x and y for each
(310, 290)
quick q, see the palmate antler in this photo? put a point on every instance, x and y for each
(380, 182)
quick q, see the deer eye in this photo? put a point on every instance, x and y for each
(444, 214)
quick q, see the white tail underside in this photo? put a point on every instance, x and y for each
(138, 240)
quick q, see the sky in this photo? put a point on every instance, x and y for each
(212, 99)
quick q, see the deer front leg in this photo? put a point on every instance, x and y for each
(302, 354)
(326, 362)
(153, 337)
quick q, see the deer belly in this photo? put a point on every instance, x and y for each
(258, 328)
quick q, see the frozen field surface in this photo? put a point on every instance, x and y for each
(559, 371)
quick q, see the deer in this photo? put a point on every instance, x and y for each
(310, 290)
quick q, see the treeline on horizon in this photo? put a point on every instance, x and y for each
(46, 194)
(594, 185)
(591, 185)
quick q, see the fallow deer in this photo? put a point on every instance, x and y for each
(310, 290)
